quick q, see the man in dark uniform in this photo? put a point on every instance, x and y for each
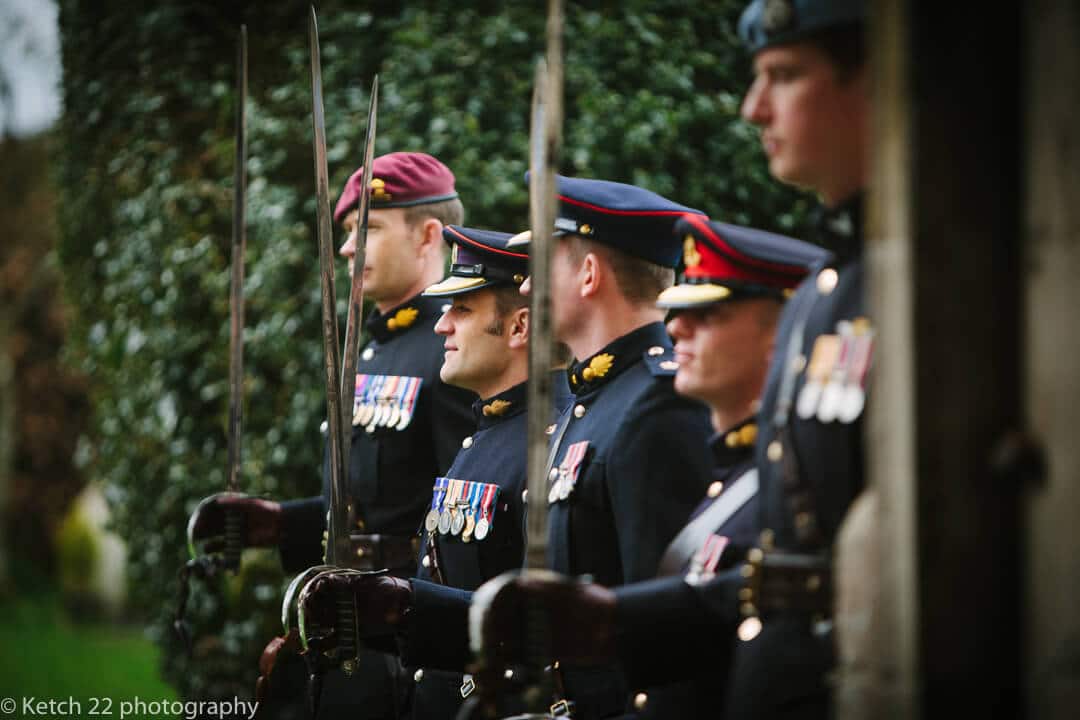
(724, 316)
(407, 423)
(473, 527)
(629, 457)
(810, 97)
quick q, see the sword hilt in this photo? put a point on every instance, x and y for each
(234, 538)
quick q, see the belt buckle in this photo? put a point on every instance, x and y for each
(563, 708)
(467, 686)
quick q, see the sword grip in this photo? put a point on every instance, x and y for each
(234, 538)
(346, 631)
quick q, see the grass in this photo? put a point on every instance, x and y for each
(46, 655)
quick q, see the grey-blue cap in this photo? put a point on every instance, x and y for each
(765, 23)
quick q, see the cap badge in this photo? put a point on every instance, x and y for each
(691, 256)
(495, 408)
(598, 367)
(378, 190)
(402, 319)
(585, 229)
(777, 15)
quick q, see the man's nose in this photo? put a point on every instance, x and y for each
(348, 250)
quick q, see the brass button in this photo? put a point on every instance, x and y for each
(359, 524)
(368, 353)
(732, 439)
(775, 451)
(767, 539)
(749, 629)
(550, 429)
(827, 280)
(426, 562)
(508, 674)
(360, 552)
(656, 350)
(715, 489)
(418, 675)
(640, 701)
(467, 442)
(579, 411)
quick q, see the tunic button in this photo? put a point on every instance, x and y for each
(579, 411)
(549, 430)
(418, 675)
(826, 281)
(524, 496)
(467, 443)
(426, 562)
(656, 350)
(367, 354)
(715, 489)
(775, 451)
(554, 474)
(640, 701)
(749, 629)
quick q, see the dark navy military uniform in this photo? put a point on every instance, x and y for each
(391, 467)
(630, 466)
(435, 642)
(723, 264)
(473, 525)
(390, 472)
(780, 672)
(811, 469)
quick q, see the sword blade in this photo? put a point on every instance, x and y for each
(354, 324)
(545, 145)
(332, 365)
(236, 295)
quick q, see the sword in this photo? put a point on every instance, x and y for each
(545, 146)
(354, 322)
(199, 564)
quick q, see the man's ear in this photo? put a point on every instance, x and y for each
(431, 237)
(518, 337)
(591, 275)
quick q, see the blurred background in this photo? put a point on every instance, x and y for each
(116, 151)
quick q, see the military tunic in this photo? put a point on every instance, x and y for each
(407, 427)
(630, 465)
(390, 466)
(666, 689)
(494, 459)
(810, 464)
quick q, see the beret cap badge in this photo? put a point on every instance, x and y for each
(777, 15)
(378, 190)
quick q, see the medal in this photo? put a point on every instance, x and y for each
(832, 395)
(487, 510)
(410, 402)
(854, 399)
(446, 516)
(358, 397)
(569, 469)
(470, 512)
(367, 408)
(822, 359)
(431, 520)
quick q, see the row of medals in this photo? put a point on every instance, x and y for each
(458, 519)
(384, 401)
(836, 374)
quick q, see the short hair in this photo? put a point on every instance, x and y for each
(845, 46)
(507, 300)
(448, 212)
(639, 281)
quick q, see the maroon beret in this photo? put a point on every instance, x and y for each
(400, 179)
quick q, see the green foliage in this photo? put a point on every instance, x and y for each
(652, 94)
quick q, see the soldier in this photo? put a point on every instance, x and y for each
(473, 529)
(629, 458)
(724, 316)
(810, 99)
(407, 423)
